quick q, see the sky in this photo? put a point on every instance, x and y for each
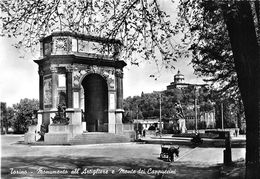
(19, 74)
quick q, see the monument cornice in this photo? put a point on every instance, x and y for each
(82, 37)
(73, 59)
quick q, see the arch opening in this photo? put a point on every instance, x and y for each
(95, 103)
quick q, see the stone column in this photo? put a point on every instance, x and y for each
(119, 102)
(119, 89)
(73, 114)
(69, 89)
(41, 89)
(54, 78)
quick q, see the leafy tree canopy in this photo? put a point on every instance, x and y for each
(207, 38)
(24, 111)
(148, 105)
(142, 25)
(144, 28)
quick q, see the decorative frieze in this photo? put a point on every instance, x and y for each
(61, 43)
(107, 73)
(47, 91)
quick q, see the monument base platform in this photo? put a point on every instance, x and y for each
(56, 138)
(61, 134)
(99, 138)
(31, 136)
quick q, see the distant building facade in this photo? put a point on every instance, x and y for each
(206, 120)
(147, 123)
(180, 83)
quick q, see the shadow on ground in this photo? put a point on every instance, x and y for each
(127, 168)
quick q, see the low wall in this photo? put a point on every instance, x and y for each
(128, 127)
(150, 132)
(222, 132)
(128, 131)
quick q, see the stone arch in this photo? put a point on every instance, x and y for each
(89, 73)
(95, 102)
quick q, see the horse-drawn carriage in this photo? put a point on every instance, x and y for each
(168, 152)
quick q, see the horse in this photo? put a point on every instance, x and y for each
(173, 151)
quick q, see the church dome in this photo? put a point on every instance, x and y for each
(178, 78)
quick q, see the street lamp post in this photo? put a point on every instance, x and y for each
(195, 108)
(222, 117)
(160, 118)
(196, 117)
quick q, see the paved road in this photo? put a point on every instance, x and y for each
(131, 160)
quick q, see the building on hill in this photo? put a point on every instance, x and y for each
(180, 83)
(178, 107)
(205, 119)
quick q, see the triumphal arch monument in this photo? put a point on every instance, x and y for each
(84, 73)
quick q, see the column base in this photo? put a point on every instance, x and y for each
(111, 122)
(31, 136)
(74, 115)
(119, 128)
(75, 129)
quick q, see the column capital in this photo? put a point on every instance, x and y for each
(69, 68)
(53, 69)
(119, 73)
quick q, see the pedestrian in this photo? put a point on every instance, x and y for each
(170, 154)
(143, 133)
(156, 131)
(236, 132)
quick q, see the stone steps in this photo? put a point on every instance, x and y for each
(98, 138)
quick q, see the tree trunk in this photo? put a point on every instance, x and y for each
(245, 49)
(240, 113)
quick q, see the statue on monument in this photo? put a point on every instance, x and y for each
(60, 116)
(179, 110)
(180, 117)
